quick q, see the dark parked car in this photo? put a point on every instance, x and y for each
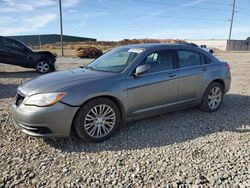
(126, 83)
(14, 52)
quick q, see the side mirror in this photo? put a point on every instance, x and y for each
(141, 69)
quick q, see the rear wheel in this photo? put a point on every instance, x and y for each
(212, 97)
(43, 66)
(97, 120)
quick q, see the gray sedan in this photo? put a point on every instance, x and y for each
(126, 83)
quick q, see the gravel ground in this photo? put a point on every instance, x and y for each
(188, 148)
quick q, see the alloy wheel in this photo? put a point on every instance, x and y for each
(214, 97)
(43, 67)
(100, 121)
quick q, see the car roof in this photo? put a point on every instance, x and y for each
(159, 45)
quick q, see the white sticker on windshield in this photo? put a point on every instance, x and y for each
(134, 50)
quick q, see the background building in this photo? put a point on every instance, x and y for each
(36, 40)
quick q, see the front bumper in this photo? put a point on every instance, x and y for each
(56, 67)
(52, 121)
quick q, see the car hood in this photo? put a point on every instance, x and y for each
(46, 53)
(61, 80)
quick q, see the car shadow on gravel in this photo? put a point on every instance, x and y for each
(7, 90)
(21, 74)
(176, 127)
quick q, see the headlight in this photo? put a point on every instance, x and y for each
(44, 99)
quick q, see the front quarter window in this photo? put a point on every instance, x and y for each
(115, 60)
(9, 43)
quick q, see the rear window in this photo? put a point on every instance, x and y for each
(188, 58)
(209, 61)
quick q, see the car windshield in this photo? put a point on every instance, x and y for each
(115, 60)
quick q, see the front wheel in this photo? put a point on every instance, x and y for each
(212, 97)
(97, 120)
(43, 66)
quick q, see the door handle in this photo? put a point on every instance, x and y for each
(172, 75)
(204, 68)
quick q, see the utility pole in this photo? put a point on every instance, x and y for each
(40, 43)
(231, 26)
(61, 25)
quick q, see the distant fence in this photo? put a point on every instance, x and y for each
(240, 45)
(36, 40)
(220, 44)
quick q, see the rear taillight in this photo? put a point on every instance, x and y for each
(228, 66)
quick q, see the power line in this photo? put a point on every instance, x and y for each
(214, 3)
(171, 4)
(167, 4)
(151, 15)
(243, 11)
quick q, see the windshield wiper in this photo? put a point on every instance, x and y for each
(91, 68)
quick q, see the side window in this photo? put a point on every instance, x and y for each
(203, 59)
(159, 61)
(188, 58)
(1, 42)
(12, 44)
(208, 61)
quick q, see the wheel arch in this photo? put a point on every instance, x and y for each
(43, 58)
(218, 80)
(221, 82)
(116, 101)
(202, 105)
(110, 97)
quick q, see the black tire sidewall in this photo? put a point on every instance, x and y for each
(82, 112)
(204, 104)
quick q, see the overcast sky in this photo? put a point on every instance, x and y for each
(119, 19)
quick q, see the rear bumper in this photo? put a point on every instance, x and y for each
(52, 121)
(227, 82)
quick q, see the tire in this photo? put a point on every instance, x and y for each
(44, 66)
(206, 103)
(86, 121)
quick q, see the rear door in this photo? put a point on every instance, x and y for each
(190, 76)
(13, 52)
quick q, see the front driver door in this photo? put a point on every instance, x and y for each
(14, 52)
(156, 89)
